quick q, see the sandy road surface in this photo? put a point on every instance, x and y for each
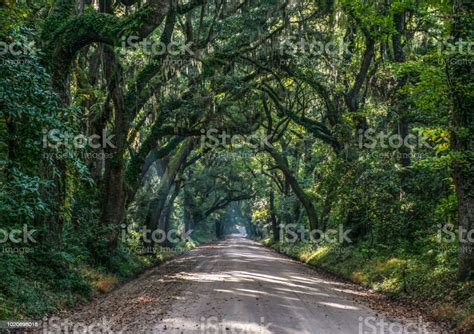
(234, 286)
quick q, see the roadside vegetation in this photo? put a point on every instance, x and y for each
(425, 279)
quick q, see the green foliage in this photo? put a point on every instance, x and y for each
(425, 274)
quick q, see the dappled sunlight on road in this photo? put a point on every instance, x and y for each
(234, 286)
(238, 282)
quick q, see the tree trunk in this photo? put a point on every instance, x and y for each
(168, 211)
(460, 70)
(158, 204)
(304, 198)
(187, 209)
(401, 105)
(113, 192)
(219, 229)
(273, 218)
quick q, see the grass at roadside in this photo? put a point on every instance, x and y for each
(33, 291)
(427, 276)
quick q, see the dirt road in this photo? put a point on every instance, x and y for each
(235, 286)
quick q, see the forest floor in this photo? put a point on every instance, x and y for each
(239, 286)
